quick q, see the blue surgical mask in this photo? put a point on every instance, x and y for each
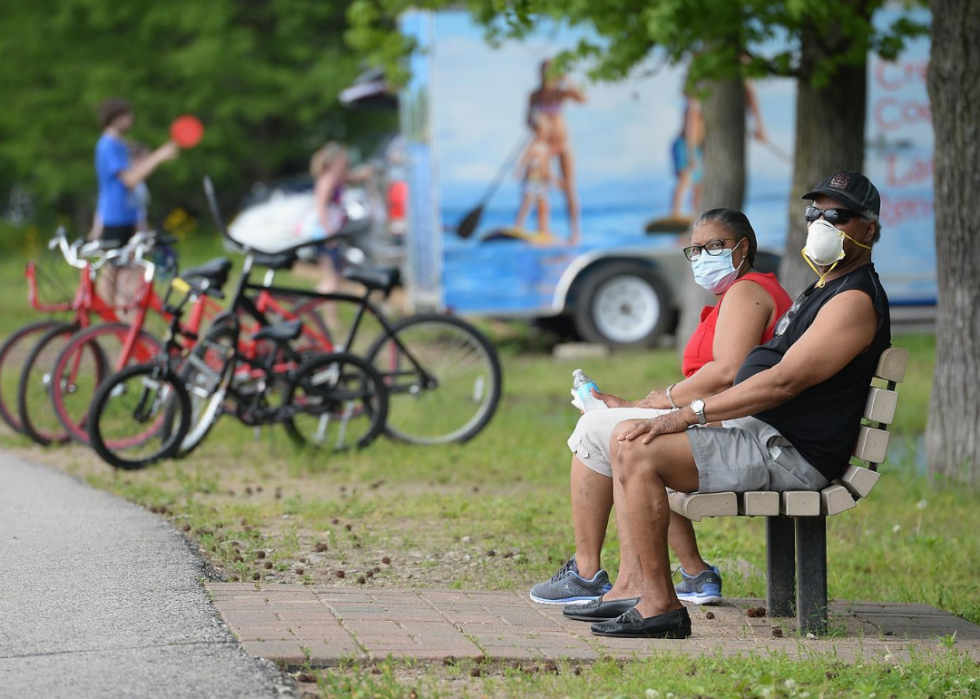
(715, 272)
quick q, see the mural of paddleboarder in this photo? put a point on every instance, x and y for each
(544, 117)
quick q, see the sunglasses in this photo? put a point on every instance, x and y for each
(830, 215)
(784, 321)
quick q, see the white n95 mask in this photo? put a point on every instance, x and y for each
(825, 246)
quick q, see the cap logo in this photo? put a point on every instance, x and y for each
(839, 181)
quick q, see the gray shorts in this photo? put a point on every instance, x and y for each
(748, 454)
(741, 455)
(590, 440)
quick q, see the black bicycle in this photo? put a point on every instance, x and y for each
(442, 375)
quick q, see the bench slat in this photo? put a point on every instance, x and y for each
(881, 405)
(759, 503)
(859, 481)
(872, 444)
(891, 365)
(698, 505)
(835, 499)
(801, 503)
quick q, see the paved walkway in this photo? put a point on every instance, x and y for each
(294, 623)
(100, 598)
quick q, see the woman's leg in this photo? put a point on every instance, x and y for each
(567, 162)
(592, 499)
(682, 540)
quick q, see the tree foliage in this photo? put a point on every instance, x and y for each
(712, 33)
(263, 75)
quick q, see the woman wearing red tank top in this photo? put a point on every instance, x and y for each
(722, 252)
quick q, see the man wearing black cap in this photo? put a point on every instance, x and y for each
(788, 423)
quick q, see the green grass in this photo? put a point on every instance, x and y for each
(667, 676)
(494, 514)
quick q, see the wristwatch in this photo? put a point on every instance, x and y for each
(697, 405)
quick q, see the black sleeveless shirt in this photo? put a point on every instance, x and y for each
(822, 422)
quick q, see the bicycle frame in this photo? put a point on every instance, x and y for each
(264, 301)
(86, 301)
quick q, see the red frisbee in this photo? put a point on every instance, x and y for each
(186, 131)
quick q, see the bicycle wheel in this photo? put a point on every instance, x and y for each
(84, 362)
(205, 375)
(126, 420)
(339, 402)
(37, 419)
(13, 355)
(451, 389)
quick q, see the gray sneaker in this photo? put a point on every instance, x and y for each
(568, 586)
(703, 588)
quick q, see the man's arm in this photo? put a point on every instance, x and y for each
(752, 104)
(843, 329)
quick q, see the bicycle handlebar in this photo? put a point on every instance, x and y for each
(79, 254)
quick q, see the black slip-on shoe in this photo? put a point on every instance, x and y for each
(599, 610)
(675, 624)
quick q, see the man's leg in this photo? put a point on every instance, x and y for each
(592, 499)
(645, 471)
(628, 581)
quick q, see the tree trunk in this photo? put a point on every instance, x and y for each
(952, 437)
(830, 124)
(724, 180)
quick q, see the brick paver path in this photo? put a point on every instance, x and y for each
(327, 626)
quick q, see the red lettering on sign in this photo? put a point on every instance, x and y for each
(890, 114)
(894, 75)
(897, 211)
(902, 172)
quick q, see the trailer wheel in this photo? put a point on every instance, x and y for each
(623, 304)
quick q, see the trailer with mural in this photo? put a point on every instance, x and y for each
(537, 195)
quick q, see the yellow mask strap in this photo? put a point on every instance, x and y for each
(860, 245)
(822, 281)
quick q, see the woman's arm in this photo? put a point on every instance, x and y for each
(570, 91)
(323, 192)
(742, 319)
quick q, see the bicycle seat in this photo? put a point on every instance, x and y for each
(383, 278)
(215, 271)
(283, 260)
(281, 332)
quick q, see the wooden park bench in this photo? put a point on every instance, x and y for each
(796, 521)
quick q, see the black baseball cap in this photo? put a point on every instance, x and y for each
(851, 188)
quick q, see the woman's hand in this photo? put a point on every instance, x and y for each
(655, 400)
(648, 429)
(612, 401)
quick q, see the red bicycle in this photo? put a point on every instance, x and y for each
(82, 364)
(85, 307)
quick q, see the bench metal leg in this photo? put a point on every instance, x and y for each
(780, 558)
(811, 571)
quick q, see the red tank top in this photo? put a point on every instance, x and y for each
(700, 348)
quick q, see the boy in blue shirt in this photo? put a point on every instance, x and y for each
(118, 210)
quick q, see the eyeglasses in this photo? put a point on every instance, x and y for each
(712, 247)
(830, 215)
